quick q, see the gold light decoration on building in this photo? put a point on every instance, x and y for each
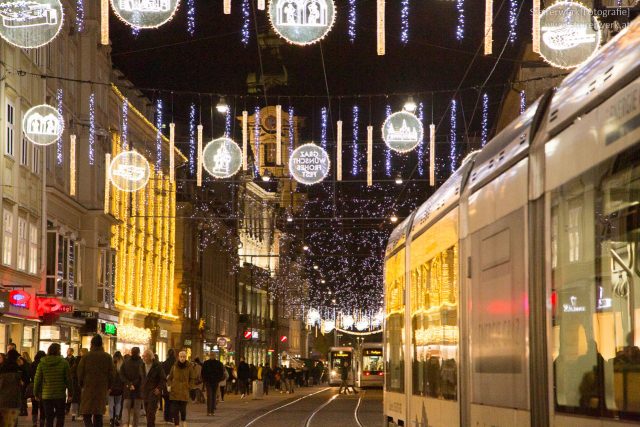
(339, 152)
(278, 135)
(535, 26)
(104, 22)
(432, 155)
(172, 154)
(72, 165)
(245, 139)
(107, 182)
(199, 160)
(381, 28)
(261, 5)
(488, 27)
(227, 7)
(369, 156)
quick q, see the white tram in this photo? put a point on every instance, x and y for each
(337, 357)
(370, 365)
(512, 295)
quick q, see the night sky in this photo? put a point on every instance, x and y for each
(215, 61)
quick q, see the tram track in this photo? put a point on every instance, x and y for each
(253, 421)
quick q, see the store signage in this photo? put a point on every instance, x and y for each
(49, 332)
(255, 335)
(19, 299)
(51, 306)
(570, 34)
(573, 306)
(283, 338)
(42, 125)
(302, 22)
(222, 158)
(309, 164)
(402, 131)
(247, 335)
(85, 314)
(145, 13)
(164, 333)
(129, 171)
(222, 342)
(29, 24)
(110, 329)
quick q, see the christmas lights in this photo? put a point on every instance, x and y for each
(172, 158)
(42, 132)
(461, 20)
(192, 139)
(222, 158)
(369, 156)
(125, 124)
(245, 140)
(107, 182)
(488, 27)
(354, 165)
(28, 24)
(278, 135)
(309, 164)
(485, 120)
(92, 128)
(535, 26)
(291, 131)
(199, 162)
(402, 131)
(261, 4)
(404, 21)
(453, 136)
(323, 127)
(256, 137)
(60, 143)
(159, 134)
(523, 101)
(421, 143)
(129, 171)
(353, 11)
(432, 155)
(191, 17)
(143, 14)
(79, 15)
(513, 20)
(381, 32)
(227, 7)
(227, 123)
(339, 152)
(387, 150)
(245, 22)
(104, 22)
(302, 22)
(72, 165)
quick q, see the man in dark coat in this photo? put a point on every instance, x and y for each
(10, 377)
(96, 373)
(244, 374)
(212, 374)
(131, 376)
(166, 367)
(154, 382)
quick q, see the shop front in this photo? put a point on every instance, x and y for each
(18, 325)
(99, 323)
(130, 336)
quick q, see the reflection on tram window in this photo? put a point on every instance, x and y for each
(595, 234)
(394, 323)
(434, 308)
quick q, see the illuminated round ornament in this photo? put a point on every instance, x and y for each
(402, 131)
(362, 324)
(42, 125)
(30, 23)
(313, 316)
(309, 164)
(222, 158)
(347, 321)
(302, 22)
(570, 34)
(129, 171)
(328, 326)
(145, 13)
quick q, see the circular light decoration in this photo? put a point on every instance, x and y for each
(402, 131)
(30, 23)
(570, 34)
(347, 321)
(42, 125)
(309, 164)
(145, 13)
(328, 326)
(313, 316)
(129, 171)
(302, 22)
(362, 324)
(222, 158)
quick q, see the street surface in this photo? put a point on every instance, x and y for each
(307, 407)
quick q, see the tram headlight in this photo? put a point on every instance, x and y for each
(333, 373)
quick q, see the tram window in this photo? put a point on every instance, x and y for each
(434, 337)
(394, 323)
(596, 290)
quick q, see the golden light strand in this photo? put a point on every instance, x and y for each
(369, 156)
(107, 182)
(278, 135)
(172, 154)
(535, 26)
(261, 4)
(104, 22)
(227, 7)
(488, 27)
(381, 27)
(199, 168)
(339, 152)
(245, 131)
(72, 165)
(432, 155)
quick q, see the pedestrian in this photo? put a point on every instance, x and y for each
(131, 376)
(52, 381)
(266, 375)
(95, 373)
(24, 368)
(212, 374)
(291, 379)
(154, 382)
(179, 382)
(244, 374)
(197, 384)
(223, 383)
(37, 412)
(77, 391)
(71, 360)
(10, 389)
(166, 367)
(115, 393)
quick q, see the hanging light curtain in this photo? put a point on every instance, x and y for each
(432, 155)
(369, 156)
(339, 152)
(199, 169)
(172, 156)
(381, 27)
(245, 139)
(278, 135)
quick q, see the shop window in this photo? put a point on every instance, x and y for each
(24, 152)
(7, 236)
(33, 248)
(106, 269)
(10, 132)
(64, 257)
(596, 312)
(22, 243)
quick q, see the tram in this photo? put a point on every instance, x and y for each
(337, 357)
(512, 295)
(370, 365)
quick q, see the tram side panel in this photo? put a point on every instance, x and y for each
(498, 321)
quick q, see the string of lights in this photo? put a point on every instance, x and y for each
(351, 29)
(59, 143)
(159, 134)
(256, 137)
(404, 22)
(461, 20)
(355, 161)
(387, 150)
(246, 22)
(485, 119)
(80, 15)
(453, 138)
(523, 101)
(191, 17)
(192, 139)
(513, 20)
(421, 143)
(125, 125)
(291, 131)
(92, 128)
(227, 123)
(323, 127)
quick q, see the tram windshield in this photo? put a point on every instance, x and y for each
(372, 361)
(338, 358)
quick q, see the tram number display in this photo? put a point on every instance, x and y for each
(340, 354)
(371, 352)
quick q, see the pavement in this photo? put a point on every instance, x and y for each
(276, 408)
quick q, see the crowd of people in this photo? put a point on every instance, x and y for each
(129, 387)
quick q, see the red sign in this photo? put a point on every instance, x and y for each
(283, 338)
(247, 335)
(19, 299)
(52, 305)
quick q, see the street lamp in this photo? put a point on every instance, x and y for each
(410, 105)
(305, 247)
(222, 106)
(315, 267)
(394, 218)
(399, 179)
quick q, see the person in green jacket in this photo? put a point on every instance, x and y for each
(51, 383)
